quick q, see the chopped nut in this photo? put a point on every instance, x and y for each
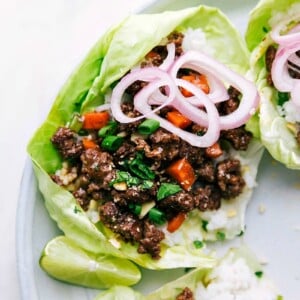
(231, 213)
(120, 186)
(261, 208)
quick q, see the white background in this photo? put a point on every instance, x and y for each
(41, 42)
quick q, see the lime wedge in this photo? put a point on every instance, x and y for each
(63, 259)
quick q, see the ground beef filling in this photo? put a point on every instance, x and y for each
(186, 294)
(94, 175)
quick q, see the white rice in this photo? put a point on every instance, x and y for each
(234, 280)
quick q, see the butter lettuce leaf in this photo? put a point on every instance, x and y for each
(116, 52)
(275, 132)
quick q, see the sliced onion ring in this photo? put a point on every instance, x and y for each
(217, 90)
(168, 61)
(290, 36)
(145, 74)
(250, 98)
(206, 140)
(280, 76)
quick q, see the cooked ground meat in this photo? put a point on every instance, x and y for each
(179, 202)
(150, 243)
(67, 144)
(98, 166)
(131, 229)
(208, 198)
(193, 154)
(206, 171)
(298, 136)
(176, 38)
(229, 176)
(270, 56)
(238, 137)
(121, 222)
(134, 195)
(186, 294)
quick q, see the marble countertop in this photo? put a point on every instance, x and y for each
(41, 43)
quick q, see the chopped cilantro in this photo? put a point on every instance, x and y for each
(282, 98)
(138, 167)
(76, 209)
(220, 236)
(204, 225)
(198, 244)
(259, 274)
(265, 29)
(167, 189)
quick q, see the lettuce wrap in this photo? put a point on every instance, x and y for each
(269, 38)
(118, 51)
(237, 275)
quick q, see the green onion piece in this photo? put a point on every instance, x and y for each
(259, 274)
(198, 244)
(109, 129)
(220, 236)
(76, 123)
(148, 126)
(135, 208)
(156, 216)
(112, 142)
(282, 98)
(204, 225)
(167, 189)
(279, 297)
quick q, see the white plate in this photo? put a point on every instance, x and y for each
(273, 235)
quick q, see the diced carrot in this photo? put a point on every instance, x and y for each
(183, 173)
(88, 144)
(176, 222)
(198, 80)
(178, 119)
(95, 120)
(214, 151)
(151, 54)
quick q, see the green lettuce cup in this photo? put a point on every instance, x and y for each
(271, 36)
(237, 275)
(118, 52)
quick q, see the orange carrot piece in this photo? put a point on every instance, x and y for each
(183, 173)
(88, 144)
(214, 151)
(176, 222)
(95, 120)
(198, 80)
(178, 119)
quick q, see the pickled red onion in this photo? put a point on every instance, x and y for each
(200, 108)
(168, 61)
(209, 138)
(250, 98)
(144, 74)
(289, 37)
(280, 76)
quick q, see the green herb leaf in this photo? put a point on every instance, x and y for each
(139, 168)
(122, 176)
(167, 189)
(204, 225)
(220, 236)
(282, 98)
(198, 244)
(146, 184)
(259, 274)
